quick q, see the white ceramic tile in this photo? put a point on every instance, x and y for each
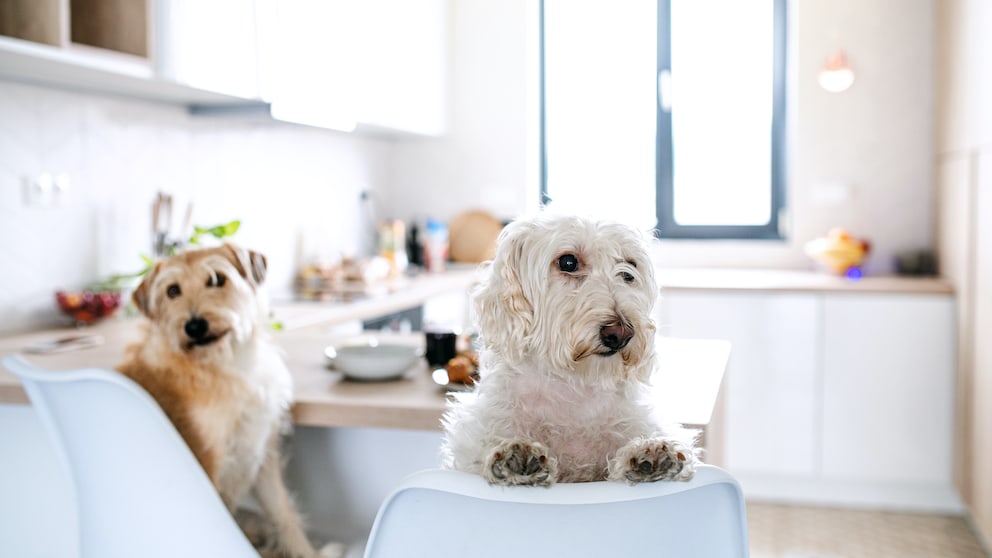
(282, 181)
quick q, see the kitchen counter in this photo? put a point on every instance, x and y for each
(384, 298)
(784, 280)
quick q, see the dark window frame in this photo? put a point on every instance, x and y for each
(667, 227)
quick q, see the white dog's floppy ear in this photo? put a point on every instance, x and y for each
(250, 264)
(142, 296)
(501, 306)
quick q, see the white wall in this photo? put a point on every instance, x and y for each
(876, 138)
(296, 190)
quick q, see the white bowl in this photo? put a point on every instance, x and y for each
(373, 362)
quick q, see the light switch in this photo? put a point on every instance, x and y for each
(831, 193)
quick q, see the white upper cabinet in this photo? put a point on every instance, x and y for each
(370, 64)
(376, 65)
(209, 45)
(403, 71)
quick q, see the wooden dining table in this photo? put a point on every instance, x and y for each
(685, 386)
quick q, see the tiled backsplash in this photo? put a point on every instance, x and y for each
(297, 190)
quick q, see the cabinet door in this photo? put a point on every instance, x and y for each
(888, 388)
(344, 63)
(209, 45)
(770, 389)
(404, 66)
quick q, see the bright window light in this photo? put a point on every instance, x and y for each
(602, 97)
(722, 71)
(600, 60)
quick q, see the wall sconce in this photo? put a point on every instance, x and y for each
(836, 75)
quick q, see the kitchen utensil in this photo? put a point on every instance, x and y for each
(161, 224)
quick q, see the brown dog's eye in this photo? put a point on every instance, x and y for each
(217, 280)
(173, 290)
(568, 263)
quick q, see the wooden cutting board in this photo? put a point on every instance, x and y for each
(472, 236)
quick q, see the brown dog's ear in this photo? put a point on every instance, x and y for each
(259, 265)
(502, 309)
(250, 264)
(142, 296)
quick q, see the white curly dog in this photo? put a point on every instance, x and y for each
(564, 313)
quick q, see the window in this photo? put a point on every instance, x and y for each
(666, 113)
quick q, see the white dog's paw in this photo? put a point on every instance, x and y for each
(653, 459)
(520, 463)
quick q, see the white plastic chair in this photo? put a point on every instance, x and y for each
(139, 489)
(440, 514)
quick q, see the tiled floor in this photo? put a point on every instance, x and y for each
(778, 531)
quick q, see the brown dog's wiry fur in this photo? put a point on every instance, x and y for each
(206, 358)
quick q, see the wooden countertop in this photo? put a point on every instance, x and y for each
(687, 383)
(783, 280)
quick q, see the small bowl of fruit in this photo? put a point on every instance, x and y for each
(839, 252)
(86, 307)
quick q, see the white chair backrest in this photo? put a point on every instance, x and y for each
(441, 514)
(139, 489)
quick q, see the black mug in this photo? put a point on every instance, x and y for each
(439, 346)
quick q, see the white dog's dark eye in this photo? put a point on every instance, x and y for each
(568, 263)
(173, 290)
(627, 277)
(217, 280)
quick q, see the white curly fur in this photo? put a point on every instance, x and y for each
(555, 403)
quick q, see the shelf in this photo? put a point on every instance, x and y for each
(96, 70)
(118, 25)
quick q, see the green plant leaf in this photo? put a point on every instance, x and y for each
(218, 231)
(227, 229)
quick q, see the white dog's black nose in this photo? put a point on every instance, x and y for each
(196, 328)
(615, 336)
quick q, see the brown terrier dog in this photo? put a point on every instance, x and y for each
(207, 360)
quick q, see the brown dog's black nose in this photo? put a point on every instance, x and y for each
(615, 336)
(196, 328)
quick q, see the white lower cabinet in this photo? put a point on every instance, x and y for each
(888, 388)
(773, 342)
(830, 397)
